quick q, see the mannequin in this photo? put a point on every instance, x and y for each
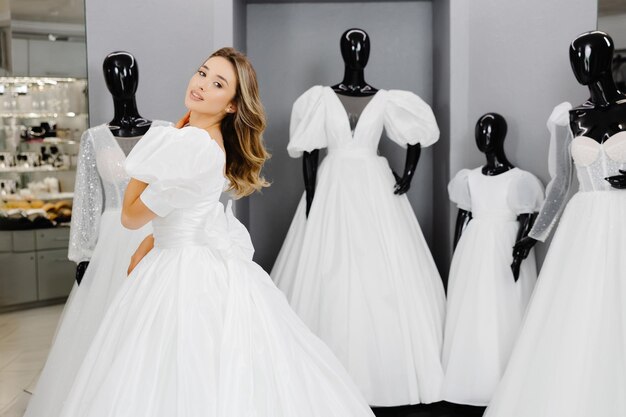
(490, 132)
(603, 114)
(121, 75)
(355, 50)
(497, 202)
(392, 350)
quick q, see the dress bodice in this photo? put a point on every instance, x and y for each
(184, 172)
(592, 161)
(496, 197)
(595, 161)
(320, 120)
(99, 187)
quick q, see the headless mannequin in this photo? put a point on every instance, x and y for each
(122, 77)
(604, 114)
(490, 132)
(355, 93)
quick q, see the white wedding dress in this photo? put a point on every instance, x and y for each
(198, 329)
(358, 270)
(96, 236)
(570, 357)
(485, 305)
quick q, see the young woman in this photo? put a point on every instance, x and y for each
(199, 329)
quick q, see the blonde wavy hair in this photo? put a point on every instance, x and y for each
(242, 130)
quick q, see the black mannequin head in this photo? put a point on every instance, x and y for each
(591, 55)
(121, 74)
(355, 48)
(490, 132)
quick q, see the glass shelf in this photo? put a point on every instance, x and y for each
(20, 170)
(41, 196)
(42, 115)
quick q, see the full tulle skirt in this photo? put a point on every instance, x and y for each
(201, 332)
(570, 358)
(485, 307)
(359, 273)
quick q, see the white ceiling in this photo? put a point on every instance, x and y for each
(611, 7)
(60, 11)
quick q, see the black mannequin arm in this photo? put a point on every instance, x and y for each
(309, 169)
(80, 271)
(403, 183)
(618, 181)
(462, 220)
(524, 243)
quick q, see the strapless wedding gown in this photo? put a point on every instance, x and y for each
(570, 358)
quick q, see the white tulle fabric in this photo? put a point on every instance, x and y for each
(358, 271)
(198, 329)
(570, 357)
(96, 236)
(485, 305)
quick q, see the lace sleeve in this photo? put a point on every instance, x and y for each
(561, 168)
(87, 205)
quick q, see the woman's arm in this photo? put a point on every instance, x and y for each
(144, 247)
(135, 213)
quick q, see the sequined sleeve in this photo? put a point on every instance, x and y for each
(561, 170)
(88, 203)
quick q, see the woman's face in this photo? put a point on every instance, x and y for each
(212, 88)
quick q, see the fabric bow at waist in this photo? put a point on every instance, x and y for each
(223, 233)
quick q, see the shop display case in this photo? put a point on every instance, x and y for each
(41, 120)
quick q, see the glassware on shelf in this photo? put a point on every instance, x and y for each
(28, 160)
(7, 187)
(7, 160)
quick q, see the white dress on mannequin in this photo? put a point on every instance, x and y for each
(570, 357)
(485, 305)
(358, 270)
(96, 236)
(198, 329)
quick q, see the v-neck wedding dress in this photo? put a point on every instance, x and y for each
(358, 270)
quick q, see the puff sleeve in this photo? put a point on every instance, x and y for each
(526, 194)
(459, 192)
(409, 120)
(88, 203)
(177, 164)
(561, 166)
(307, 128)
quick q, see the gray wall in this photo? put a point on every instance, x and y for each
(295, 46)
(510, 57)
(614, 25)
(167, 40)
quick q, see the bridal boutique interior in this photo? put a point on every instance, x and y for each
(464, 59)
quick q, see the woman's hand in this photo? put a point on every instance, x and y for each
(144, 247)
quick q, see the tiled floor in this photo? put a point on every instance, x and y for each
(25, 338)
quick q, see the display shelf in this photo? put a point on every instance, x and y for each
(20, 170)
(41, 196)
(39, 115)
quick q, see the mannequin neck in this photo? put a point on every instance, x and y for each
(604, 91)
(353, 79)
(497, 163)
(126, 113)
(127, 122)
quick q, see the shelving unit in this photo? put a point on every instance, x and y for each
(33, 263)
